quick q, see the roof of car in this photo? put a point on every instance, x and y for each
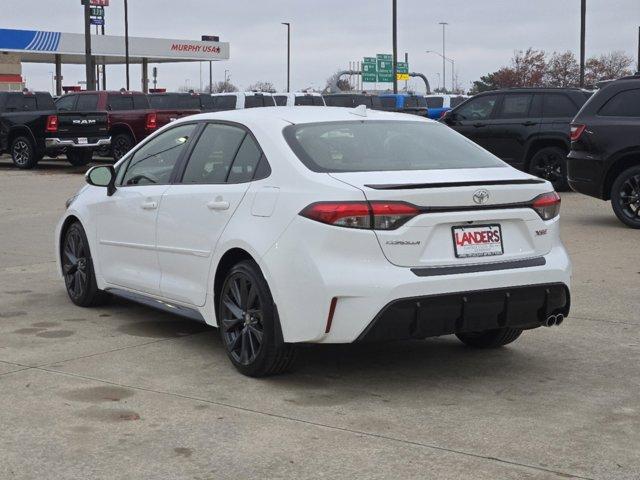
(307, 114)
(534, 89)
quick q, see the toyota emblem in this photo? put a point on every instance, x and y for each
(481, 196)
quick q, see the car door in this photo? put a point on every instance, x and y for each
(195, 210)
(516, 120)
(126, 220)
(474, 118)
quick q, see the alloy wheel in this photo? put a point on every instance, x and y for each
(120, 147)
(629, 197)
(74, 264)
(21, 152)
(242, 318)
(549, 167)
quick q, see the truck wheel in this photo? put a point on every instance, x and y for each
(120, 145)
(625, 197)
(23, 153)
(550, 163)
(79, 157)
(490, 338)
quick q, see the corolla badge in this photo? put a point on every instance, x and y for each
(480, 196)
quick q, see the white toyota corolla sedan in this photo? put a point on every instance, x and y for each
(318, 224)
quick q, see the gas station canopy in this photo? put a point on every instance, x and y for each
(37, 46)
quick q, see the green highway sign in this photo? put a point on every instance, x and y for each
(369, 70)
(385, 67)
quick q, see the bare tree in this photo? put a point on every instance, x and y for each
(607, 66)
(222, 87)
(563, 70)
(266, 87)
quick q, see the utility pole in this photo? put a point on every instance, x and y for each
(90, 72)
(395, 44)
(583, 18)
(288, 25)
(444, 72)
(638, 69)
(104, 66)
(126, 38)
(210, 76)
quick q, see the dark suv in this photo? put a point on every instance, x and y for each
(604, 161)
(526, 127)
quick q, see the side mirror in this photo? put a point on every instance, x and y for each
(102, 176)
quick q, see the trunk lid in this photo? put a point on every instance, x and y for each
(446, 199)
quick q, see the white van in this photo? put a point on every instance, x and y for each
(298, 98)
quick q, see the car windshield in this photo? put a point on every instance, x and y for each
(381, 145)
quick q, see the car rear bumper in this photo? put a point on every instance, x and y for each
(429, 316)
(585, 174)
(54, 143)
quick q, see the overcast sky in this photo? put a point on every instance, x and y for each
(328, 34)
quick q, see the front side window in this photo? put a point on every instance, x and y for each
(623, 104)
(152, 164)
(514, 106)
(376, 145)
(212, 157)
(66, 103)
(478, 109)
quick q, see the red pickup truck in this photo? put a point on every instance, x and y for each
(171, 106)
(129, 114)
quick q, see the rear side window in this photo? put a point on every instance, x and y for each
(623, 104)
(436, 102)
(281, 100)
(380, 145)
(246, 161)
(21, 103)
(87, 102)
(455, 101)
(514, 106)
(211, 159)
(141, 102)
(224, 102)
(120, 102)
(558, 105)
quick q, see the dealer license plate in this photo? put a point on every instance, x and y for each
(477, 241)
(82, 141)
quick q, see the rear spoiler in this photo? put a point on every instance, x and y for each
(409, 186)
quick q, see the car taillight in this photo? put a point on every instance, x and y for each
(374, 215)
(547, 205)
(152, 121)
(52, 123)
(576, 131)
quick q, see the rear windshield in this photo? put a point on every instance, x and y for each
(174, 102)
(309, 100)
(435, 102)
(381, 145)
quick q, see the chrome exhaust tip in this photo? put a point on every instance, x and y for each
(559, 319)
(550, 321)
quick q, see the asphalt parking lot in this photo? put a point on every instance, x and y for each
(124, 391)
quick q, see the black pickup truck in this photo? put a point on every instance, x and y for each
(31, 127)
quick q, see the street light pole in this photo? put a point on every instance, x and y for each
(583, 17)
(126, 38)
(444, 73)
(288, 25)
(395, 44)
(453, 68)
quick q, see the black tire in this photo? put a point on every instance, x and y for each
(490, 338)
(625, 197)
(120, 145)
(77, 269)
(79, 157)
(23, 153)
(249, 324)
(550, 163)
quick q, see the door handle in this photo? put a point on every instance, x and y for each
(477, 125)
(529, 123)
(149, 205)
(218, 205)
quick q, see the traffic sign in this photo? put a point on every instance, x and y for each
(402, 71)
(97, 21)
(369, 70)
(385, 67)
